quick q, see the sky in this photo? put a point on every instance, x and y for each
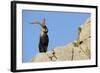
(62, 29)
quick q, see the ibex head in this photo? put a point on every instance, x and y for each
(42, 24)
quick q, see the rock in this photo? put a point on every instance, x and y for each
(77, 50)
(86, 30)
(64, 53)
(41, 57)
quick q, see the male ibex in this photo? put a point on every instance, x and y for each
(43, 43)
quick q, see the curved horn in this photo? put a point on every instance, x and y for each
(35, 22)
(43, 22)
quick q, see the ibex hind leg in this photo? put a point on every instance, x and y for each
(45, 50)
(41, 49)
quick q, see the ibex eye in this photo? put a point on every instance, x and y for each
(44, 26)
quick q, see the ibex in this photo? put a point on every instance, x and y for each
(43, 43)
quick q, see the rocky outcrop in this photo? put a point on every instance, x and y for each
(80, 49)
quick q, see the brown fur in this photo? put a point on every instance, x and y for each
(43, 44)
